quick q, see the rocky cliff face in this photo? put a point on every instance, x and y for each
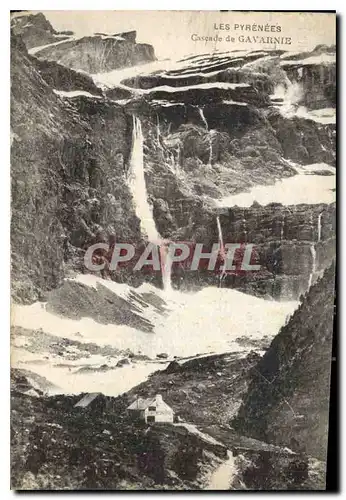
(92, 54)
(98, 53)
(212, 127)
(62, 78)
(288, 399)
(68, 183)
(35, 30)
(293, 245)
(316, 73)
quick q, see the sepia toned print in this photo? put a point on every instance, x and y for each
(173, 245)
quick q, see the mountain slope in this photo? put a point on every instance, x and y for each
(287, 402)
(67, 185)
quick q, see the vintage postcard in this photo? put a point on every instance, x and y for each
(173, 246)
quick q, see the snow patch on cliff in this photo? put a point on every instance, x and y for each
(75, 93)
(306, 187)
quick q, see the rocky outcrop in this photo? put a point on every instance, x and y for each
(288, 399)
(59, 77)
(107, 452)
(209, 130)
(304, 141)
(92, 54)
(316, 73)
(283, 238)
(68, 184)
(98, 54)
(35, 30)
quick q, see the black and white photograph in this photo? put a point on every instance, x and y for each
(173, 246)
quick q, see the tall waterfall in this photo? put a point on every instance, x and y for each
(138, 186)
(158, 132)
(201, 112)
(219, 229)
(166, 267)
(313, 269)
(313, 249)
(136, 180)
(319, 226)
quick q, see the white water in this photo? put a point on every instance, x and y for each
(319, 226)
(201, 112)
(222, 477)
(219, 229)
(292, 95)
(158, 131)
(143, 209)
(138, 186)
(325, 116)
(166, 268)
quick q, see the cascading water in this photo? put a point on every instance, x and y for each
(244, 227)
(282, 229)
(159, 137)
(158, 132)
(313, 249)
(166, 267)
(178, 154)
(219, 229)
(136, 180)
(201, 112)
(138, 186)
(319, 226)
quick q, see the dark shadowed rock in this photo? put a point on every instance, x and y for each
(173, 367)
(61, 78)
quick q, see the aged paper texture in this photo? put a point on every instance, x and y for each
(173, 246)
